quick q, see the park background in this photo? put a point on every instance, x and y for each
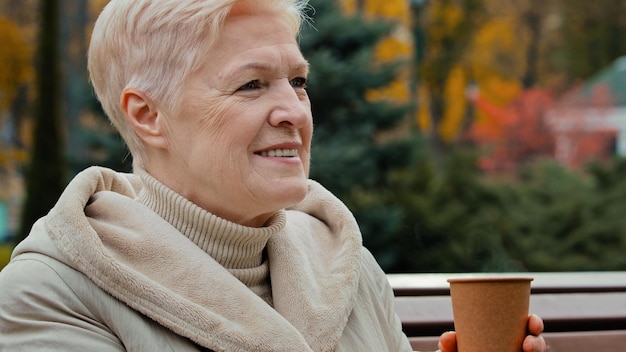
(465, 135)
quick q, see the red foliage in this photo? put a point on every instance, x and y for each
(516, 133)
(533, 125)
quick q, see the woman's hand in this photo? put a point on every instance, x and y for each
(532, 343)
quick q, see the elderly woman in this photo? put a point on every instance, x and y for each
(217, 241)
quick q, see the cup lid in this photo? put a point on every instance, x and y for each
(489, 279)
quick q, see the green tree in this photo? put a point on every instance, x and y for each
(549, 219)
(592, 37)
(46, 172)
(349, 156)
(346, 151)
(568, 221)
(451, 218)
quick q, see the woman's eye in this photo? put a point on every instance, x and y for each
(251, 85)
(299, 82)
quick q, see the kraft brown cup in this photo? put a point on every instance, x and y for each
(490, 313)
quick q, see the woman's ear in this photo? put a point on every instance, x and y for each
(143, 115)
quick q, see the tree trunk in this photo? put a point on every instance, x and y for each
(45, 177)
(533, 23)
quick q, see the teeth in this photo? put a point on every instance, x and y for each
(280, 153)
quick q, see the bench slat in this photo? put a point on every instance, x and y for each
(425, 315)
(582, 311)
(553, 282)
(596, 341)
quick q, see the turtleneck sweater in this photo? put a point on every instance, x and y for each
(239, 249)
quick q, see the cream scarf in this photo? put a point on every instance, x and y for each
(160, 267)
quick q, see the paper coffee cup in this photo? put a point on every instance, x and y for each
(490, 313)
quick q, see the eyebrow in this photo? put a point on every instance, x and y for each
(258, 66)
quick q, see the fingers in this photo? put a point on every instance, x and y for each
(534, 344)
(447, 342)
(535, 325)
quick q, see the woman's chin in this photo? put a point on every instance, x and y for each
(288, 195)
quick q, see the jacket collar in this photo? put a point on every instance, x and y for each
(120, 244)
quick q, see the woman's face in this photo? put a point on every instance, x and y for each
(239, 146)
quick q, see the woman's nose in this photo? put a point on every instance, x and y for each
(292, 107)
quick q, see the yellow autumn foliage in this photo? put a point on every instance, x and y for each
(456, 104)
(5, 254)
(451, 125)
(499, 90)
(496, 59)
(396, 91)
(423, 117)
(397, 10)
(15, 67)
(95, 6)
(497, 49)
(397, 46)
(392, 48)
(444, 17)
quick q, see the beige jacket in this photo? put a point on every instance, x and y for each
(104, 272)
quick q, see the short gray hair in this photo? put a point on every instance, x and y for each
(154, 45)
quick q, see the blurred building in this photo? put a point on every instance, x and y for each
(590, 121)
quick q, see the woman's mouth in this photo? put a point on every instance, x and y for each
(280, 153)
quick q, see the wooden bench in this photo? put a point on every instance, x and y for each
(582, 311)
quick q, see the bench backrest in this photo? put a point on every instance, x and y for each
(582, 311)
